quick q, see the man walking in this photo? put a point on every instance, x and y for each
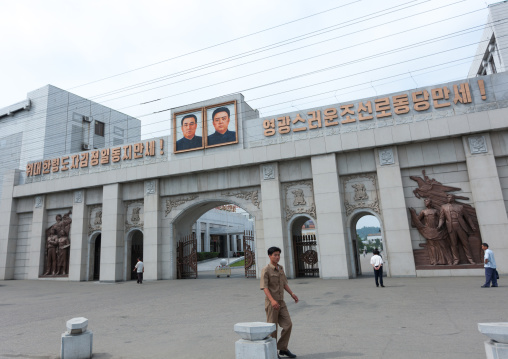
(377, 262)
(141, 268)
(273, 283)
(490, 267)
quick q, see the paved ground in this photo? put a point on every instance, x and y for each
(418, 318)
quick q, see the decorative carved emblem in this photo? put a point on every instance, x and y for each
(360, 192)
(78, 197)
(135, 214)
(150, 187)
(252, 196)
(95, 218)
(386, 157)
(38, 202)
(134, 221)
(173, 203)
(299, 199)
(477, 144)
(268, 172)
(310, 257)
(98, 218)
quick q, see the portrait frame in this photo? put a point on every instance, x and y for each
(233, 123)
(177, 128)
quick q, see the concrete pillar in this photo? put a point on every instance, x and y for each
(8, 225)
(235, 244)
(78, 238)
(207, 237)
(488, 197)
(198, 235)
(397, 239)
(273, 220)
(37, 239)
(152, 232)
(241, 242)
(331, 236)
(112, 241)
(228, 246)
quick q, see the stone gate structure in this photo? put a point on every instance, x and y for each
(331, 164)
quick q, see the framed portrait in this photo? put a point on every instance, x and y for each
(188, 131)
(221, 124)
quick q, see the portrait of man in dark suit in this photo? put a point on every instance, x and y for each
(220, 119)
(189, 125)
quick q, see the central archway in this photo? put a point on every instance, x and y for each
(212, 228)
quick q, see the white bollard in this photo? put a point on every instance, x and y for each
(497, 346)
(256, 342)
(77, 340)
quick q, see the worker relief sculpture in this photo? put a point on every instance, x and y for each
(450, 228)
(57, 246)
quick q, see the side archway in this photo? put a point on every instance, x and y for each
(133, 249)
(94, 256)
(303, 246)
(360, 259)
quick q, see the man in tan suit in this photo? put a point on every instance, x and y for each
(453, 214)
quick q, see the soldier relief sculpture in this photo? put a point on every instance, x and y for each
(57, 246)
(449, 227)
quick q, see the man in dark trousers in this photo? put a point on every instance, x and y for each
(273, 283)
(140, 268)
(377, 263)
(489, 263)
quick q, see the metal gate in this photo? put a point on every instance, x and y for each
(187, 257)
(250, 257)
(306, 256)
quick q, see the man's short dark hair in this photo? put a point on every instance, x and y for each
(272, 250)
(485, 245)
(376, 251)
(220, 109)
(139, 259)
(190, 116)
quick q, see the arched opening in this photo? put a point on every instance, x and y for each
(97, 258)
(209, 232)
(366, 236)
(133, 251)
(305, 258)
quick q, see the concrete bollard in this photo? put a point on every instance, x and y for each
(77, 340)
(497, 346)
(255, 342)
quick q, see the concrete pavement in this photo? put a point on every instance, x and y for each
(416, 318)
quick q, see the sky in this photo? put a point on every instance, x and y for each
(144, 58)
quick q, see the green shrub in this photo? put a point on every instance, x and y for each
(207, 255)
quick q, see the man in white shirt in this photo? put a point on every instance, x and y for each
(141, 268)
(377, 262)
(489, 263)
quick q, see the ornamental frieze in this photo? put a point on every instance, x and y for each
(249, 196)
(173, 203)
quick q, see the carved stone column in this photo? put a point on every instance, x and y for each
(394, 213)
(272, 216)
(37, 239)
(112, 240)
(8, 226)
(152, 233)
(487, 195)
(331, 237)
(79, 238)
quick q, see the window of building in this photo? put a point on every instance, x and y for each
(492, 65)
(99, 128)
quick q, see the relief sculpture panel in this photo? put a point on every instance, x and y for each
(56, 250)
(95, 218)
(299, 199)
(134, 214)
(449, 227)
(360, 191)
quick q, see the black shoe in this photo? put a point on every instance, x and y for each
(287, 353)
(494, 286)
(485, 286)
(382, 286)
(377, 285)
